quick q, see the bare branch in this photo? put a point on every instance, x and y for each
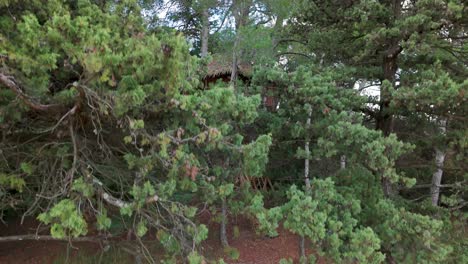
(46, 237)
(118, 202)
(294, 53)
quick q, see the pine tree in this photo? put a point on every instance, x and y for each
(115, 125)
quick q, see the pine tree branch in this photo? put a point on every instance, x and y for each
(47, 237)
(118, 202)
(294, 53)
(10, 83)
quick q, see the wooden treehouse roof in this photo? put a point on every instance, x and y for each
(219, 67)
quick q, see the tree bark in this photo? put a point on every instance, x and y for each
(302, 252)
(223, 232)
(384, 120)
(10, 83)
(205, 32)
(439, 162)
(241, 12)
(343, 162)
(234, 63)
(308, 188)
(276, 31)
(307, 152)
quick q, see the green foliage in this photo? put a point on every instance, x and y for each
(194, 258)
(286, 261)
(256, 155)
(201, 234)
(225, 190)
(141, 229)
(236, 231)
(66, 220)
(12, 181)
(362, 246)
(232, 253)
(379, 152)
(401, 230)
(103, 221)
(268, 219)
(79, 185)
(26, 168)
(168, 241)
(105, 111)
(329, 220)
(142, 193)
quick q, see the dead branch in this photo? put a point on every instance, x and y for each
(10, 83)
(294, 53)
(71, 173)
(46, 237)
(429, 185)
(459, 206)
(118, 202)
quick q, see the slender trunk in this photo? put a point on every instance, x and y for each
(437, 176)
(343, 162)
(308, 188)
(234, 62)
(223, 233)
(387, 187)
(439, 162)
(385, 120)
(307, 152)
(276, 31)
(138, 258)
(205, 32)
(302, 252)
(224, 218)
(241, 13)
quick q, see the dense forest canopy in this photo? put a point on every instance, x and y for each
(341, 121)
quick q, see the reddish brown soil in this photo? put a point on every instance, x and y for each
(252, 248)
(259, 249)
(33, 252)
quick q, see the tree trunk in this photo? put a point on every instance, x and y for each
(302, 252)
(138, 259)
(223, 233)
(439, 162)
(234, 62)
(276, 32)
(384, 121)
(241, 12)
(387, 187)
(343, 162)
(308, 188)
(307, 152)
(437, 176)
(205, 32)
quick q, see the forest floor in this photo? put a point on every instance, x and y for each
(251, 247)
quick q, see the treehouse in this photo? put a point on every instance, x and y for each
(220, 69)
